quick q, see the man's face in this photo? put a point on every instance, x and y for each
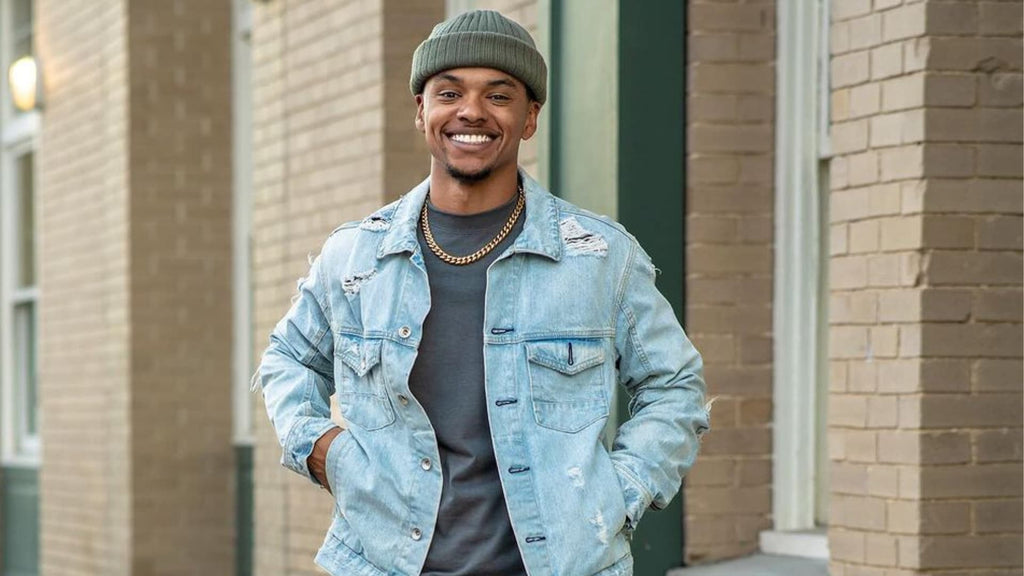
(473, 120)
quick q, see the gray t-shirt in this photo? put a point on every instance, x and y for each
(473, 534)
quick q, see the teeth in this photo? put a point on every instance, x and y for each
(471, 138)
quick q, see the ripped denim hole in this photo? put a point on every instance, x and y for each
(375, 223)
(581, 242)
(354, 283)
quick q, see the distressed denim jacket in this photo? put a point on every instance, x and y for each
(571, 312)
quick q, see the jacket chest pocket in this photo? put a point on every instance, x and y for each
(359, 379)
(566, 383)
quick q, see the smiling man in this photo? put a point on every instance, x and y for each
(474, 332)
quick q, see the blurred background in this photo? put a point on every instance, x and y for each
(832, 191)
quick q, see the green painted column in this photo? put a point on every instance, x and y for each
(617, 146)
(651, 192)
(20, 503)
(584, 105)
(244, 513)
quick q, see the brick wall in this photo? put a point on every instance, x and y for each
(83, 257)
(135, 191)
(407, 161)
(180, 230)
(333, 139)
(730, 109)
(925, 413)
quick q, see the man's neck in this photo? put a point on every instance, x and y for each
(455, 196)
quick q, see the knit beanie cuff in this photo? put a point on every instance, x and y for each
(480, 49)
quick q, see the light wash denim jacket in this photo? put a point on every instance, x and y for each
(571, 311)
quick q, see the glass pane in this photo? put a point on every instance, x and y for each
(22, 46)
(822, 463)
(21, 28)
(25, 381)
(21, 16)
(26, 223)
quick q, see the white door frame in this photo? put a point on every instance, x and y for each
(242, 344)
(801, 137)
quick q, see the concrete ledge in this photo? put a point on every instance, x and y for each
(806, 543)
(758, 565)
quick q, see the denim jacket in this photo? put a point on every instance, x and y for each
(571, 311)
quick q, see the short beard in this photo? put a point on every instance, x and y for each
(468, 177)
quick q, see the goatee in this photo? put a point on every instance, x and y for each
(467, 177)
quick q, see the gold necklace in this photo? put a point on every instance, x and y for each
(463, 260)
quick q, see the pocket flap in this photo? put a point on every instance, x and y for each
(359, 354)
(566, 356)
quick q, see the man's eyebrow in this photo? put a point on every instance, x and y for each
(450, 77)
(502, 82)
(496, 82)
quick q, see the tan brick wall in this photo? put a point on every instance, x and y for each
(135, 189)
(180, 177)
(333, 139)
(407, 160)
(83, 256)
(925, 412)
(730, 109)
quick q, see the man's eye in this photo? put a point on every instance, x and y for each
(447, 94)
(500, 97)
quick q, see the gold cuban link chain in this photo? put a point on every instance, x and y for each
(469, 259)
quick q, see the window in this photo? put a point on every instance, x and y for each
(19, 362)
(19, 314)
(26, 424)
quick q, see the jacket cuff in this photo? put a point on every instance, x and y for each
(636, 496)
(299, 445)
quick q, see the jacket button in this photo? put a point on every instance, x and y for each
(425, 463)
(416, 534)
(404, 331)
(403, 400)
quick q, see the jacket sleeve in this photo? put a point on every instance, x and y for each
(663, 374)
(297, 373)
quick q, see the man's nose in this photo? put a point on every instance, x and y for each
(472, 110)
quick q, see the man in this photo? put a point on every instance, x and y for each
(474, 332)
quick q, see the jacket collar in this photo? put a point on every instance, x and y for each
(540, 234)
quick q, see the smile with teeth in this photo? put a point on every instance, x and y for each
(471, 138)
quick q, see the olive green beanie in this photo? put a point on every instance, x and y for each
(482, 38)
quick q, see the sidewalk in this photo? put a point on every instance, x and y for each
(758, 565)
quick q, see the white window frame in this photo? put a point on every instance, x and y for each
(801, 144)
(242, 342)
(19, 135)
(456, 7)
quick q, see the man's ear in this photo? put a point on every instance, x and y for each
(419, 113)
(531, 120)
